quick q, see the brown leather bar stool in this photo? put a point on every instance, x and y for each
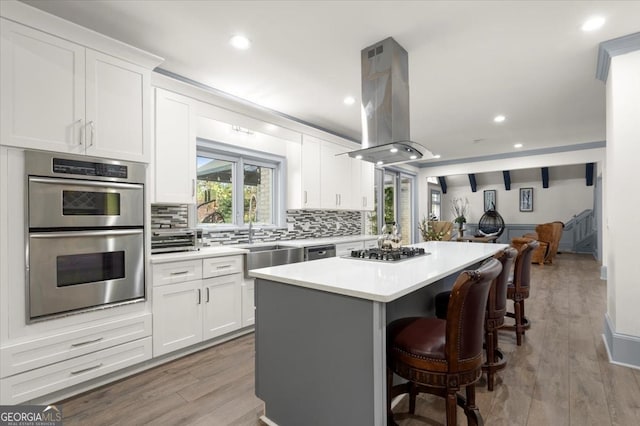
(440, 356)
(518, 289)
(494, 316)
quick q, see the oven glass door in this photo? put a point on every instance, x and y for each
(56, 203)
(79, 270)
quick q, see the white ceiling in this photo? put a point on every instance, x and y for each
(468, 60)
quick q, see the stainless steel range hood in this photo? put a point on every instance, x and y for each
(385, 106)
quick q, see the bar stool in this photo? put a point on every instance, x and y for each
(518, 289)
(494, 315)
(439, 356)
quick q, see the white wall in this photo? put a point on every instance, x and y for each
(622, 198)
(566, 196)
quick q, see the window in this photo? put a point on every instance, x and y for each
(396, 191)
(435, 204)
(235, 188)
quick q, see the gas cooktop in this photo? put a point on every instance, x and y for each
(388, 255)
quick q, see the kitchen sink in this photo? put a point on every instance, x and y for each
(273, 255)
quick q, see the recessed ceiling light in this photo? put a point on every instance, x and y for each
(518, 145)
(393, 150)
(240, 42)
(593, 23)
(358, 157)
(499, 118)
(379, 163)
(413, 157)
(349, 100)
(437, 156)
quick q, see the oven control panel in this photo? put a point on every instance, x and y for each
(87, 168)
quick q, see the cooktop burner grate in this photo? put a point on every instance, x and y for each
(386, 255)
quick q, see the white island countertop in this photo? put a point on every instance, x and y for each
(378, 280)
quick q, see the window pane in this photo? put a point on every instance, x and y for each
(258, 194)
(389, 198)
(404, 210)
(214, 193)
(435, 204)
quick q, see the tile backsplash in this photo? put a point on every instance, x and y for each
(300, 224)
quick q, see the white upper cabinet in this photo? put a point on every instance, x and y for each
(117, 108)
(43, 90)
(362, 185)
(335, 171)
(175, 148)
(62, 96)
(310, 172)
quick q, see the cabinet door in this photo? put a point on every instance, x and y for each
(311, 184)
(345, 249)
(335, 172)
(177, 316)
(248, 302)
(222, 305)
(117, 111)
(175, 149)
(42, 80)
(367, 185)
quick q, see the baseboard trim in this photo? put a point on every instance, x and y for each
(622, 349)
(267, 421)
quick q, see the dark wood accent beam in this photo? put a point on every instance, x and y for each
(506, 175)
(443, 184)
(472, 182)
(545, 177)
(589, 173)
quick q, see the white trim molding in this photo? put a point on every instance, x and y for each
(615, 47)
(622, 349)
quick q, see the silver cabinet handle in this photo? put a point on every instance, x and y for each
(86, 342)
(193, 187)
(364, 201)
(80, 130)
(339, 199)
(199, 296)
(223, 266)
(305, 197)
(179, 273)
(207, 294)
(92, 125)
(86, 369)
(337, 202)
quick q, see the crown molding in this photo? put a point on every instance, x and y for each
(615, 47)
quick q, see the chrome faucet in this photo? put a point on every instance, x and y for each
(255, 200)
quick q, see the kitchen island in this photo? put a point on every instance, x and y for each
(320, 329)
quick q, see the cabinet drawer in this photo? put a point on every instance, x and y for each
(218, 266)
(45, 380)
(176, 272)
(61, 347)
(369, 244)
(344, 249)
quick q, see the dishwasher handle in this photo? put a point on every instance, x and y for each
(319, 252)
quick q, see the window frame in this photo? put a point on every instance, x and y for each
(399, 174)
(239, 157)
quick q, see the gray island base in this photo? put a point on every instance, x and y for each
(320, 353)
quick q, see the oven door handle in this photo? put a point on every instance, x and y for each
(68, 182)
(85, 233)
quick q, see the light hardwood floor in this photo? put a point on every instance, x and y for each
(559, 376)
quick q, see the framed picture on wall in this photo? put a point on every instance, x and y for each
(490, 199)
(526, 199)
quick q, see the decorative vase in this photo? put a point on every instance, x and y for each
(460, 230)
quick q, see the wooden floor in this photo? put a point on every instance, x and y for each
(559, 376)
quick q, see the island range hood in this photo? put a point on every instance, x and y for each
(385, 106)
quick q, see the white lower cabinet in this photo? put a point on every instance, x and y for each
(345, 249)
(206, 306)
(42, 381)
(222, 305)
(248, 302)
(177, 316)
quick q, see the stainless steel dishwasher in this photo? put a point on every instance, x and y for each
(319, 252)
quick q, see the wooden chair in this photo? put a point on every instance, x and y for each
(518, 289)
(440, 356)
(494, 316)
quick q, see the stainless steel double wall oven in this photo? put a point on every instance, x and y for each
(85, 219)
